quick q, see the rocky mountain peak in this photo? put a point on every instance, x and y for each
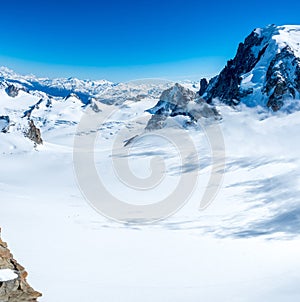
(179, 100)
(265, 70)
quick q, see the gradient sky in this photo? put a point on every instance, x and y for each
(123, 40)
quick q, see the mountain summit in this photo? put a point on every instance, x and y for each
(265, 70)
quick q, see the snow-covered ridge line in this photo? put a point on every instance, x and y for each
(58, 87)
(31, 108)
(103, 90)
(265, 70)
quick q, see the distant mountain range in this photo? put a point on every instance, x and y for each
(264, 72)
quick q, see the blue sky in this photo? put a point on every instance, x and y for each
(123, 40)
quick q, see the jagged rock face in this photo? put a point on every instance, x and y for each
(265, 70)
(12, 91)
(173, 101)
(16, 290)
(34, 133)
(178, 96)
(4, 123)
(226, 85)
(179, 100)
(203, 86)
(157, 121)
(283, 79)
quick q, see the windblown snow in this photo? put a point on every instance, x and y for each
(244, 247)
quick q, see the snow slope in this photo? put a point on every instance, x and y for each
(244, 247)
(7, 275)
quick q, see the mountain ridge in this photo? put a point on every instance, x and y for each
(265, 70)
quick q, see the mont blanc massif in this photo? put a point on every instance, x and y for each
(245, 243)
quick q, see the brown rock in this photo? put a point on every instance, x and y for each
(17, 290)
(34, 133)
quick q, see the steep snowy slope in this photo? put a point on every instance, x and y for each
(265, 70)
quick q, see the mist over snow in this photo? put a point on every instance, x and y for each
(243, 247)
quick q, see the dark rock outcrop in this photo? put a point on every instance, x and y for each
(203, 86)
(4, 123)
(283, 78)
(225, 87)
(34, 133)
(12, 91)
(94, 105)
(179, 100)
(16, 290)
(266, 69)
(28, 112)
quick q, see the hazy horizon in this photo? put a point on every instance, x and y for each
(122, 41)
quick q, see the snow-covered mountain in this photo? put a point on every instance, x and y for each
(179, 100)
(30, 105)
(60, 87)
(71, 251)
(265, 70)
(74, 254)
(86, 90)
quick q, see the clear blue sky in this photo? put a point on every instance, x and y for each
(123, 40)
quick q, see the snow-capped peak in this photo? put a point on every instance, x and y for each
(265, 70)
(58, 87)
(289, 35)
(285, 35)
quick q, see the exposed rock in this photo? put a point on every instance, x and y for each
(28, 112)
(179, 100)
(226, 85)
(12, 91)
(178, 95)
(4, 123)
(203, 86)
(94, 106)
(34, 133)
(282, 80)
(265, 70)
(16, 290)
(157, 121)
(200, 109)
(129, 141)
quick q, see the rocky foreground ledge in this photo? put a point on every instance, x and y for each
(14, 289)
